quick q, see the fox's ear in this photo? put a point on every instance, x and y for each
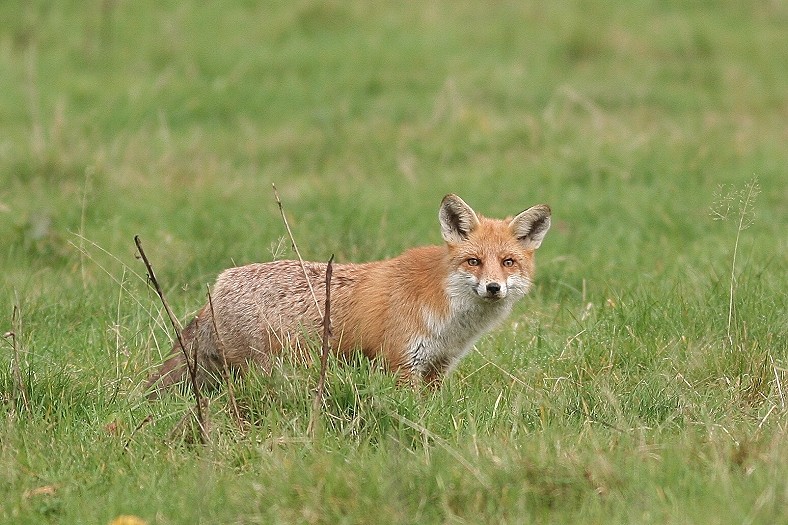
(457, 219)
(531, 225)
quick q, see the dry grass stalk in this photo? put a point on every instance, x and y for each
(12, 335)
(295, 249)
(191, 364)
(324, 350)
(226, 368)
(317, 400)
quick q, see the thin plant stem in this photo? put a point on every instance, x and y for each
(324, 350)
(190, 366)
(295, 248)
(746, 204)
(13, 335)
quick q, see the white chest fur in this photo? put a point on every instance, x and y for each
(449, 338)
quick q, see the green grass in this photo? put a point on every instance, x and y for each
(618, 392)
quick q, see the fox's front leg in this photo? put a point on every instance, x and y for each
(436, 371)
(416, 381)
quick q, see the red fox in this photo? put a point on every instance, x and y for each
(418, 313)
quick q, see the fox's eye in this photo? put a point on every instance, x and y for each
(473, 261)
(508, 262)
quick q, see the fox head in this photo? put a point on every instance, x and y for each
(491, 259)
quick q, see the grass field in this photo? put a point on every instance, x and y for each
(644, 380)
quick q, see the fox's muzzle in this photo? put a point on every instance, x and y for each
(491, 290)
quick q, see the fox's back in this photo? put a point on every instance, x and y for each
(269, 306)
(264, 307)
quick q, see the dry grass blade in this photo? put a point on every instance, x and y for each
(191, 364)
(226, 368)
(295, 248)
(120, 282)
(16, 328)
(324, 350)
(462, 460)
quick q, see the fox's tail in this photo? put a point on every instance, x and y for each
(173, 371)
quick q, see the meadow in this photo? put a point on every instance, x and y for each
(643, 380)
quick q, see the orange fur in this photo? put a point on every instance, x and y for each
(418, 313)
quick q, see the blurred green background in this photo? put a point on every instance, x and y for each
(172, 118)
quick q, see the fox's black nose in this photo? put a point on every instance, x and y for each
(493, 288)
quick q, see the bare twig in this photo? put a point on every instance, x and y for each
(226, 368)
(190, 366)
(321, 384)
(295, 248)
(16, 328)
